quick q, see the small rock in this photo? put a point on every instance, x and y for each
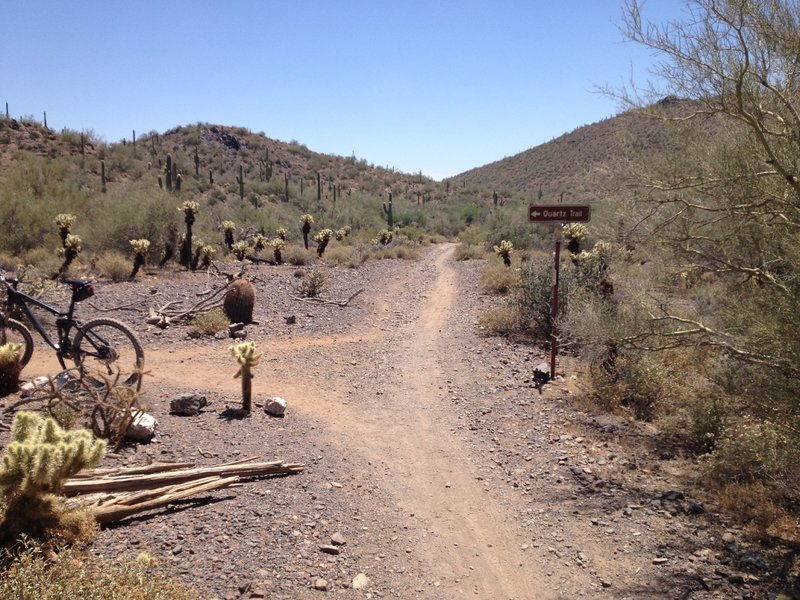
(330, 549)
(321, 584)
(188, 404)
(360, 582)
(142, 428)
(291, 319)
(660, 560)
(338, 539)
(276, 407)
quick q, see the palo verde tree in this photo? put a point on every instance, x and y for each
(726, 207)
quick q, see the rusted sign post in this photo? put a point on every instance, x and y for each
(558, 214)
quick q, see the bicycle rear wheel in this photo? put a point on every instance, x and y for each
(109, 346)
(20, 334)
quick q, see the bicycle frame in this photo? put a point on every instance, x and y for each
(64, 320)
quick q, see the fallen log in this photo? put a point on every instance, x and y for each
(313, 300)
(125, 483)
(153, 499)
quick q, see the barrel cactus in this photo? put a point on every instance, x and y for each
(239, 301)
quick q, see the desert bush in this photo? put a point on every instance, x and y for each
(348, 256)
(313, 284)
(466, 251)
(497, 279)
(114, 265)
(210, 322)
(297, 255)
(502, 320)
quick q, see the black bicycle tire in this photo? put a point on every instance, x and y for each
(115, 324)
(25, 333)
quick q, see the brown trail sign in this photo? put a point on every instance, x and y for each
(559, 213)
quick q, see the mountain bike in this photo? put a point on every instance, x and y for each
(106, 344)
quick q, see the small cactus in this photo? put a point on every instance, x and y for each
(10, 368)
(384, 238)
(228, 228)
(140, 249)
(322, 238)
(281, 233)
(574, 233)
(72, 247)
(305, 226)
(504, 250)
(246, 355)
(64, 221)
(241, 250)
(342, 233)
(259, 242)
(278, 246)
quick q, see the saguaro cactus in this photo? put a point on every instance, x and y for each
(240, 181)
(103, 175)
(168, 172)
(247, 357)
(387, 208)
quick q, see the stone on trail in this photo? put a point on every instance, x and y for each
(275, 407)
(142, 428)
(360, 582)
(321, 584)
(187, 404)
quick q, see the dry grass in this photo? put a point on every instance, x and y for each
(114, 265)
(498, 279)
(37, 574)
(211, 322)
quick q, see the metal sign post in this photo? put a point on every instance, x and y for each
(558, 214)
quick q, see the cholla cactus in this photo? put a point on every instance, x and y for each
(305, 226)
(278, 246)
(574, 233)
(504, 250)
(259, 242)
(65, 221)
(41, 456)
(281, 233)
(207, 252)
(322, 238)
(140, 249)
(241, 250)
(384, 238)
(189, 208)
(10, 368)
(342, 233)
(70, 251)
(247, 357)
(228, 228)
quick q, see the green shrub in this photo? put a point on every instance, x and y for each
(211, 322)
(497, 279)
(114, 265)
(465, 251)
(348, 256)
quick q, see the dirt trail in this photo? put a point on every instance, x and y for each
(463, 539)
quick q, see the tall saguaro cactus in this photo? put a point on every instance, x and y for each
(168, 172)
(240, 181)
(387, 208)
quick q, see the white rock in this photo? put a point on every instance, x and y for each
(142, 428)
(360, 582)
(276, 407)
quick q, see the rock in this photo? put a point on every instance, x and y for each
(360, 582)
(28, 388)
(321, 584)
(337, 539)
(188, 404)
(660, 560)
(672, 496)
(291, 319)
(330, 550)
(275, 407)
(142, 429)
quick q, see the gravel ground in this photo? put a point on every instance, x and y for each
(433, 467)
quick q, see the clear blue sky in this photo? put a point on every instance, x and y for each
(437, 86)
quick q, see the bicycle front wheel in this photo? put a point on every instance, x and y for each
(109, 346)
(19, 333)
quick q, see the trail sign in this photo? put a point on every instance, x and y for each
(559, 213)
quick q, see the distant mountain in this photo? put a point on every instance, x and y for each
(579, 162)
